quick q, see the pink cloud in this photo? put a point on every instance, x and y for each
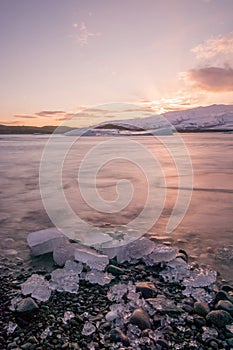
(213, 79)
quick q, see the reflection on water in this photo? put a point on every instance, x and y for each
(206, 227)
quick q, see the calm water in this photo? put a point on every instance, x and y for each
(207, 225)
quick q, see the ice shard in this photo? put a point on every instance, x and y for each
(91, 258)
(45, 241)
(37, 286)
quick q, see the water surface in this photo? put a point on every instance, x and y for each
(206, 227)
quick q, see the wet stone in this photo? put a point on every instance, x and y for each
(140, 318)
(199, 321)
(118, 336)
(147, 289)
(219, 318)
(114, 270)
(162, 343)
(201, 309)
(26, 305)
(225, 305)
(222, 295)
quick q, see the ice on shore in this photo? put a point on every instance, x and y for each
(37, 286)
(91, 258)
(201, 277)
(88, 329)
(162, 253)
(175, 271)
(98, 277)
(132, 251)
(68, 315)
(66, 279)
(65, 252)
(45, 241)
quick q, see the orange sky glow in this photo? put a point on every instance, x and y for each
(66, 59)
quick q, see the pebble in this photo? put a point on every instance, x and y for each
(162, 343)
(147, 289)
(140, 318)
(115, 270)
(200, 308)
(225, 305)
(117, 335)
(219, 318)
(27, 305)
(222, 295)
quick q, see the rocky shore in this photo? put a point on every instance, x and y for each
(156, 301)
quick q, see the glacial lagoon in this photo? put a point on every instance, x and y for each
(205, 231)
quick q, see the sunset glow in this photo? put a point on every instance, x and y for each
(59, 58)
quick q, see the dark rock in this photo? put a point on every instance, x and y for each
(201, 309)
(221, 296)
(219, 318)
(140, 318)
(147, 289)
(118, 336)
(199, 321)
(162, 343)
(27, 305)
(26, 346)
(183, 255)
(114, 270)
(214, 344)
(225, 305)
(227, 288)
(230, 342)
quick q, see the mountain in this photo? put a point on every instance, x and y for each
(12, 129)
(210, 118)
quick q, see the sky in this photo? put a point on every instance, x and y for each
(66, 58)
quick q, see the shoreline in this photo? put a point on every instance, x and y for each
(175, 321)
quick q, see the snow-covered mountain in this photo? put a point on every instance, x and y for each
(210, 118)
(214, 117)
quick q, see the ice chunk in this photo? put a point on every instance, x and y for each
(164, 305)
(42, 293)
(14, 302)
(199, 294)
(91, 258)
(140, 247)
(37, 286)
(68, 315)
(64, 252)
(134, 250)
(11, 327)
(47, 332)
(117, 292)
(73, 266)
(201, 277)
(64, 280)
(45, 241)
(111, 316)
(176, 270)
(163, 253)
(88, 329)
(98, 277)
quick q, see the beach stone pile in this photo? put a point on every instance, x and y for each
(140, 296)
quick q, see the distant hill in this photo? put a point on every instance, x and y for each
(8, 129)
(210, 118)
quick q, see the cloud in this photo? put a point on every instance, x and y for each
(25, 116)
(215, 79)
(49, 113)
(83, 115)
(82, 34)
(215, 49)
(14, 122)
